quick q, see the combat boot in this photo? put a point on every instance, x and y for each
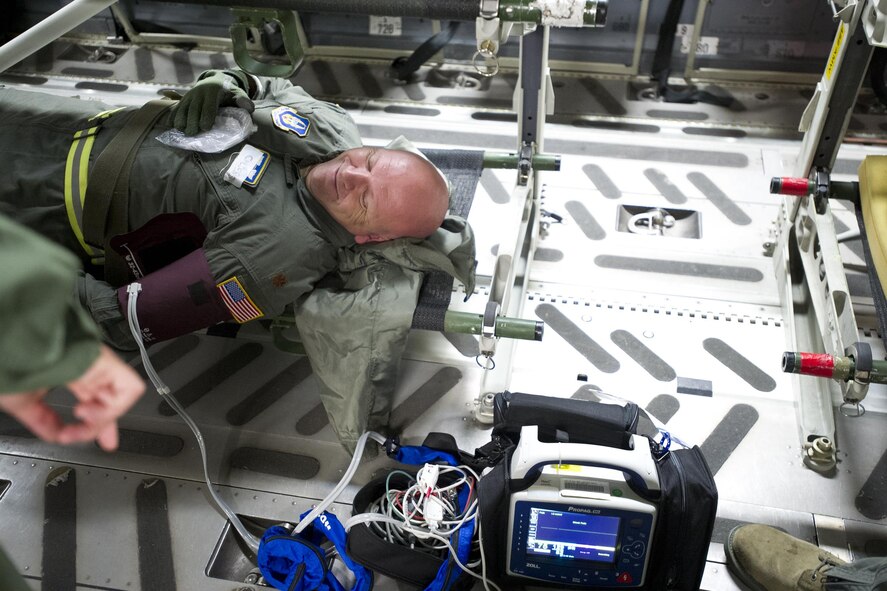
(766, 559)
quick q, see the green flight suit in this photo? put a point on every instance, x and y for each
(47, 337)
(274, 238)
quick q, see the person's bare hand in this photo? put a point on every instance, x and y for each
(105, 391)
(30, 410)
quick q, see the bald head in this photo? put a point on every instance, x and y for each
(379, 194)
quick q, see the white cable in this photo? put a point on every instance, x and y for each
(421, 491)
(483, 561)
(419, 533)
(133, 290)
(346, 479)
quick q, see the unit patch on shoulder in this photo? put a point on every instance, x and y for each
(287, 119)
(238, 301)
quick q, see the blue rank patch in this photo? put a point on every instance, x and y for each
(287, 119)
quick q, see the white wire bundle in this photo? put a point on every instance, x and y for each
(406, 516)
(434, 508)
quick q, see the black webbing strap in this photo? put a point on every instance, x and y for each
(463, 169)
(662, 64)
(106, 207)
(665, 45)
(403, 68)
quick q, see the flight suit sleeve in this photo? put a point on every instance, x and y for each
(281, 90)
(48, 338)
(12, 580)
(269, 88)
(256, 87)
(100, 300)
(262, 87)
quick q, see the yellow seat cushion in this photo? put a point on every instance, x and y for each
(873, 200)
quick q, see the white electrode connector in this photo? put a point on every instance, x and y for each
(427, 477)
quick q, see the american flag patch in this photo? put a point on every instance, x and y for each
(238, 302)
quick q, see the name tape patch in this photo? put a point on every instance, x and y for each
(248, 167)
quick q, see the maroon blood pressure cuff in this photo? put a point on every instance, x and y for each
(177, 299)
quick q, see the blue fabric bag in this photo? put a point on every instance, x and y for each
(297, 563)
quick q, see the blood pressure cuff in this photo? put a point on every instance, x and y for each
(177, 299)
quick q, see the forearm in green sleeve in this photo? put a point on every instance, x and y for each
(253, 85)
(47, 339)
(256, 87)
(55, 358)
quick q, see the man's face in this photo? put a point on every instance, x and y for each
(378, 194)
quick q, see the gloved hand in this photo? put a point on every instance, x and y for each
(197, 110)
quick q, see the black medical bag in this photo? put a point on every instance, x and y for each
(687, 499)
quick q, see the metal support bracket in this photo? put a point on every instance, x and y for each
(489, 8)
(148, 39)
(525, 164)
(521, 223)
(254, 18)
(810, 272)
(491, 33)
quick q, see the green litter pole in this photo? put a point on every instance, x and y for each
(508, 328)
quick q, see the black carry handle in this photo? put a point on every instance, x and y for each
(566, 420)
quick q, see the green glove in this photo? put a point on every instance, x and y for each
(197, 110)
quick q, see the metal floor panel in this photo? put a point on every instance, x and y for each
(689, 328)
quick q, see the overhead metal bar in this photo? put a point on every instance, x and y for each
(144, 39)
(493, 19)
(466, 10)
(555, 13)
(49, 29)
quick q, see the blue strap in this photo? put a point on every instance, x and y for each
(445, 579)
(334, 531)
(296, 563)
(291, 563)
(449, 572)
(417, 455)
